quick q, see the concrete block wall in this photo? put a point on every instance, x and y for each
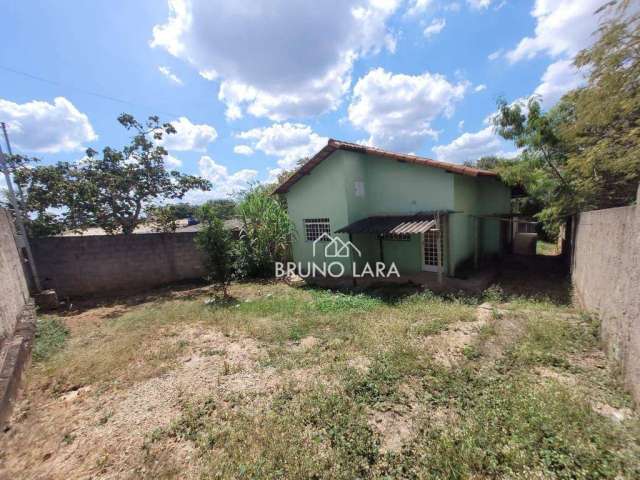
(14, 293)
(606, 280)
(97, 265)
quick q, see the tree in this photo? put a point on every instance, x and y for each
(285, 174)
(603, 119)
(183, 210)
(266, 231)
(162, 218)
(219, 249)
(224, 209)
(489, 162)
(112, 190)
(541, 164)
(584, 153)
(39, 222)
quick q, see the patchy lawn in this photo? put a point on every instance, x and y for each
(288, 382)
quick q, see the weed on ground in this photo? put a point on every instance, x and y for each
(289, 382)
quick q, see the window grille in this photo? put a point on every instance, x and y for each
(315, 227)
(400, 237)
(527, 227)
(431, 247)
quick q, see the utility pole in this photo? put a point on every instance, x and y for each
(18, 210)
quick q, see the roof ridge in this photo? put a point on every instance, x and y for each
(333, 145)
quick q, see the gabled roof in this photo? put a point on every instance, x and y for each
(333, 145)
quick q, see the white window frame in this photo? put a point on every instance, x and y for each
(321, 225)
(432, 233)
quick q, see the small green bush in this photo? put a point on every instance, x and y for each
(51, 335)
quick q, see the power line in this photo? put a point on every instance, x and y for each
(85, 92)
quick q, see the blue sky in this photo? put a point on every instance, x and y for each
(254, 85)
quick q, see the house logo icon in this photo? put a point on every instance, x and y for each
(336, 247)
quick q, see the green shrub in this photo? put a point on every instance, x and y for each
(51, 335)
(219, 249)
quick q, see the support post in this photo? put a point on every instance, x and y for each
(445, 245)
(353, 277)
(381, 243)
(439, 246)
(18, 214)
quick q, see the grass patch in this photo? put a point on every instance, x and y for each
(323, 408)
(337, 302)
(513, 427)
(51, 336)
(546, 248)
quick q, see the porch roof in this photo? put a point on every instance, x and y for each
(393, 224)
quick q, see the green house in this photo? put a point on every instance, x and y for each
(420, 214)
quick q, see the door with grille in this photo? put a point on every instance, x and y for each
(430, 249)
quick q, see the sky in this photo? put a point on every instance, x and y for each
(253, 85)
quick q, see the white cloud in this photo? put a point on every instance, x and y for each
(224, 183)
(479, 4)
(276, 58)
(243, 150)
(472, 146)
(480, 88)
(435, 27)
(189, 136)
(417, 7)
(461, 125)
(558, 79)
(563, 27)
(495, 55)
(396, 110)
(210, 74)
(40, 126)
(172, 161)
(166, 71)
(289, 142)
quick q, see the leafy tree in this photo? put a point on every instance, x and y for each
(183, 210)
(489, 162)
(603, 119)
(219, 249)
(541, 164)
(266, 231)
(39, 222)
(224, 209)
(109, 191)
(285, 174)
(163, 218)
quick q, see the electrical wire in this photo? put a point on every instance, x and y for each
(85, 92)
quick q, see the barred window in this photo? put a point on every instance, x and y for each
(400, 237)
(315, 227)
(527, 227)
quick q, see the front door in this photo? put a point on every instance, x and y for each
(430, 249)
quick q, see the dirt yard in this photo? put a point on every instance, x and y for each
(290, 382)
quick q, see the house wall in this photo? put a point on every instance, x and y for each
(105, 264)
(494, 197)
(476, 196)
(390, 187)
(606, 275)
(318, 195)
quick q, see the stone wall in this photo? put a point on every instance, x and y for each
(17, 317)
(106, 264)
(606, 280)
(14, 294)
